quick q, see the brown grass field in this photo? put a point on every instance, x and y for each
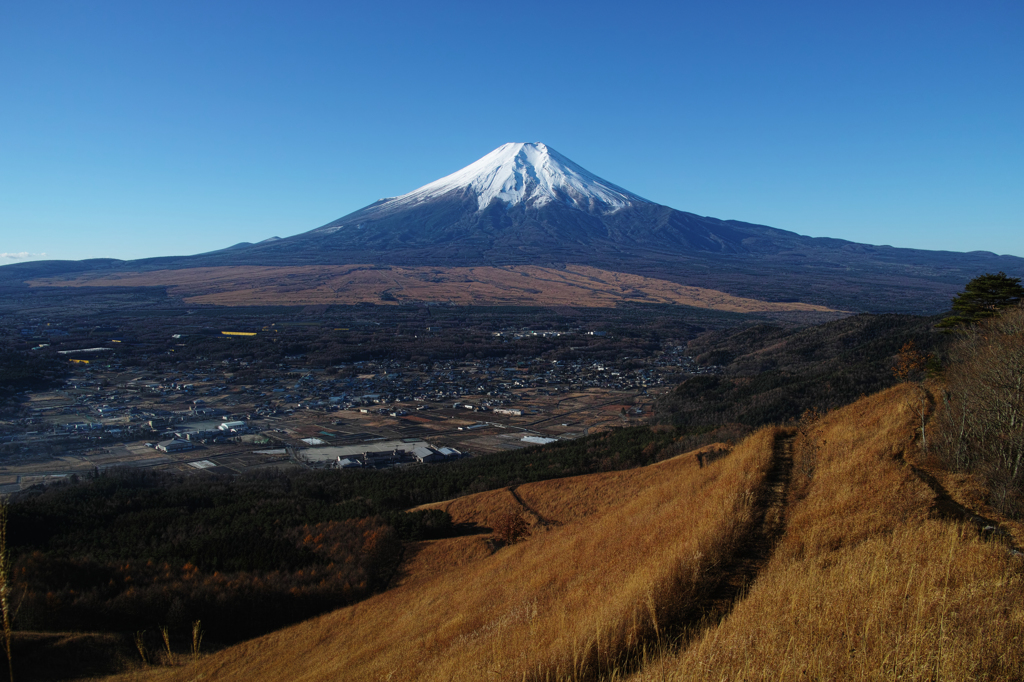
(866, 583)
(816, 554)
(575, 285)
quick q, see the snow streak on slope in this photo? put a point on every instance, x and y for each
(525, 172)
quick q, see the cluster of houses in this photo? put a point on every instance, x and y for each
(494, 384)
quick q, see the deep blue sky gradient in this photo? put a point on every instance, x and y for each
(132, 129)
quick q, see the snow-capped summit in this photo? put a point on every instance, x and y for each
(530, 173)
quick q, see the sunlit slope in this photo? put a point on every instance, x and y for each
(866, 583)
(616, 557)
(809, 553)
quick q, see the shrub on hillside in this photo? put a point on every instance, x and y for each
(511, 527)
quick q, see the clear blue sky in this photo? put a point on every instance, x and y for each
(132, 129)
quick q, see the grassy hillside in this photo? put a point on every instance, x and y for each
(553, 604)
(878, 574)
(832, 551)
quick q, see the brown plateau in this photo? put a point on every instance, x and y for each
(574, 285)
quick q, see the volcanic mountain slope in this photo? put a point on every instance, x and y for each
(528, 199)
(526, 204)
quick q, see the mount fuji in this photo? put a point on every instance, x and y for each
(522, 203)
(518, 173)
(526, 204)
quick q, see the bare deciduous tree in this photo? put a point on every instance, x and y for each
(982, 424)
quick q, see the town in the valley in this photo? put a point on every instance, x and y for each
(172, 398)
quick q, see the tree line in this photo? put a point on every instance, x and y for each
(979, 427)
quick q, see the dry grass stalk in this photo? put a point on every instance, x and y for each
(140, 646)
(165, 635)
(197, 640)
(5, 591)
(929, 601)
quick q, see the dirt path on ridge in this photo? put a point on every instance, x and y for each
(538, 519)
(768, 527)
(752, 555)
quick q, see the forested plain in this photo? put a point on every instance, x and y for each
(773, 374)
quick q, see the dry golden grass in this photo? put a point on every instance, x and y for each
(858, 485)
(865, 582)
(864, 585)
(564, 604)
(563, 500)
(927, 601)
(575, 285)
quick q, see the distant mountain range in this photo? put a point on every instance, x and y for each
(526, 204)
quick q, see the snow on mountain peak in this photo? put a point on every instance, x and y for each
(520, 172)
